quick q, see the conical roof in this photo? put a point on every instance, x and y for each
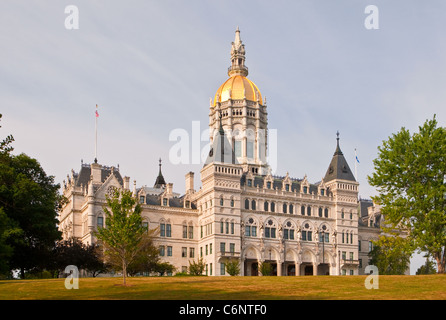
(338, 168)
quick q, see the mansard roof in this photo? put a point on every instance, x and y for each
(83, 177)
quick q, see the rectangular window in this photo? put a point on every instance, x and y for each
(273, 232)
(162, 230)
(191, 252)
(222, 269)
(287, 187)
(206, 250)
(162, 250)
(291, 234)
(169, 251)
(184, 252)
(359, 245)
(168, 230)
(141, 199)
(101, 222)
(370, 246)
(227, 227)
(285, 234)
(201, 231)
(254, 231)
(222, 247)
(249, 182)
(250, 149)
(201, 252)
(191, 232)
(344, 255)
(247, 231)
(238, 148)
(232, 227)
(232, 247)
(210, 269)
(304, 235)
(310, 236)
(267, 232)
(351, 255)
(164, 201)
(222, 226)
(185, 232)
(210, 248)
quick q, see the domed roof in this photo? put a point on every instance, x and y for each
(238, 87)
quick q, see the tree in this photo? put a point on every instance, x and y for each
(123, 233)
(29, 199)
(148, 259)
(74, 252)
(427, 268)
(410, 174)
(266, 269)
(196, 268)
(233, 267)
(391, 255)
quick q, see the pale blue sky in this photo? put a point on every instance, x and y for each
(151, 66)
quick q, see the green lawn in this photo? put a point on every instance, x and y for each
(230, 288)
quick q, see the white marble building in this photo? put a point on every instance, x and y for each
(240, 211)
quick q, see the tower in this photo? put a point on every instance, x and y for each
(239, 109)
(343, 186)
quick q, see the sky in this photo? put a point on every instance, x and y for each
(151, 67)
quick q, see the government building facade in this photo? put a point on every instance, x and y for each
(240, 211)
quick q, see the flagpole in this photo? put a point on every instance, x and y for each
(96, 136)
(356, 170)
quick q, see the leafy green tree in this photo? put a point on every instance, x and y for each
(123, 231)
(74, 252)
(148, 258)
(266, 269)
(29, 199)
(233, 267)
(427, 268)
(410, 174)
(391, 255)
(196, 268)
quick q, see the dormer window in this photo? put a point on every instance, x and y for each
(268, 185)
(322, 192)
(141, 199)
(287, 187)
(305, 189)
(164, 201)
(249, 182)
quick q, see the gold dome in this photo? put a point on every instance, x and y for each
(238, 87)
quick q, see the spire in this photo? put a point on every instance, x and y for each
(338, 168)
(237, 57)
(338, 149)
(160, 179)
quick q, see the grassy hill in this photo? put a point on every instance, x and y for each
(230, 288)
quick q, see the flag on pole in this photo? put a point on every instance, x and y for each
(97, 114)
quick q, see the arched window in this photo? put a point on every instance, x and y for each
(273, 207)
(291, 209)
(302, 210)
(284, 208)
(221, 201)
(232, 203)
(246, 204)
(308, 211)
(265, 206)
(253, 205)
(320, 212)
